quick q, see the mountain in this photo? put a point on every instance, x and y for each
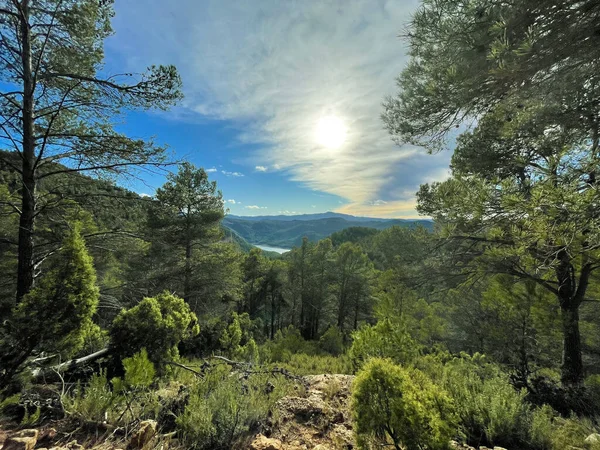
(317, 216)
(288, 231)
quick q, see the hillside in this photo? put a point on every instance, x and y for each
(288, 232)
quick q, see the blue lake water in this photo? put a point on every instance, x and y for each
(268, 248)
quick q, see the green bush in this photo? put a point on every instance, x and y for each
(394, 405)
(384, 340)
(288, 342)
(541, 428)
(332, 341)
(157, 324)
(53, 316)
(93, 403)
(223, 408)
(490, 410)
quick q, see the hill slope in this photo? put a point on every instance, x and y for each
(288, 232)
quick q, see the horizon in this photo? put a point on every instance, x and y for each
(283, 123)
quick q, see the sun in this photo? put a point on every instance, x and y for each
(331, 132)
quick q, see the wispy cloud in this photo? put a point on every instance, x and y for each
(277, 68)
(261, 168)
(255, 207)
(232, 174)
(211, 170)
(232, 201)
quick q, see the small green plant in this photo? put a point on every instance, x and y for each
(490, 410)
(29, 420)
(395, 406)
(223, 408)
(541, 428)
(93, 403)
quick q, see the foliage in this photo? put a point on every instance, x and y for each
(224, 408)
(524, 174)
(55, 316)
(394, 405)
(94, 402)
(332, 341)
(489, 409)
(139, 370)
(383, 340)
(157, 324)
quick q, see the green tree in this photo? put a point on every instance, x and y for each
(185, 219)
(157, 324)
(56, 107)
(352, 269)
(54, 316)
(523, 189)
(395, 406)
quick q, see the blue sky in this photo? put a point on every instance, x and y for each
(258, 78)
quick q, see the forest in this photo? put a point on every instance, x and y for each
(144, 322)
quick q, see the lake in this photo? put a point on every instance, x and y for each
(268, 248)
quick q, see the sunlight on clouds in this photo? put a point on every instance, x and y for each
(402, 209)
(261, 168)
(278, 68)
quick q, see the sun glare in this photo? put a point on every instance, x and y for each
(331, 132)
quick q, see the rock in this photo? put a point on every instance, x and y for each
(74, 445)
(499, 448)
(593, 438)
(144, 435)
(264, 443)
(23, 440)
(321, 447)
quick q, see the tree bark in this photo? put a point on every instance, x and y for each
(572, 362)
(25, 276)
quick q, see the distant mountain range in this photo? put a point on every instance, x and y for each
(288, 231)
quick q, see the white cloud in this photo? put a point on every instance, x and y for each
(287, 213)
(143, 194)
(232, 201)
(232, 174)
(211, 170)
(276, 67)
(261, 168)
(255, 207)
(377, 202)
(313, 206)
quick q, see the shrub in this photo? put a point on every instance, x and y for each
(391, 403)
(541, 428)
(53, 316)
(223, 408)
(384, 340)
(157, 324)
(287, 342)
(332, 341)
(303, 364)
(489, 409)
(93, 403)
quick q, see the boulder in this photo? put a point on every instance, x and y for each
(143, 435)
(264, 443)
(23, 440)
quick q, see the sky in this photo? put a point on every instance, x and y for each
(260, 79)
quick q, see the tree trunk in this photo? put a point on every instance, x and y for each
(188, 272)
(25, 275)
(572, 362)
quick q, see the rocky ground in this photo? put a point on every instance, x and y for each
(317, 417)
